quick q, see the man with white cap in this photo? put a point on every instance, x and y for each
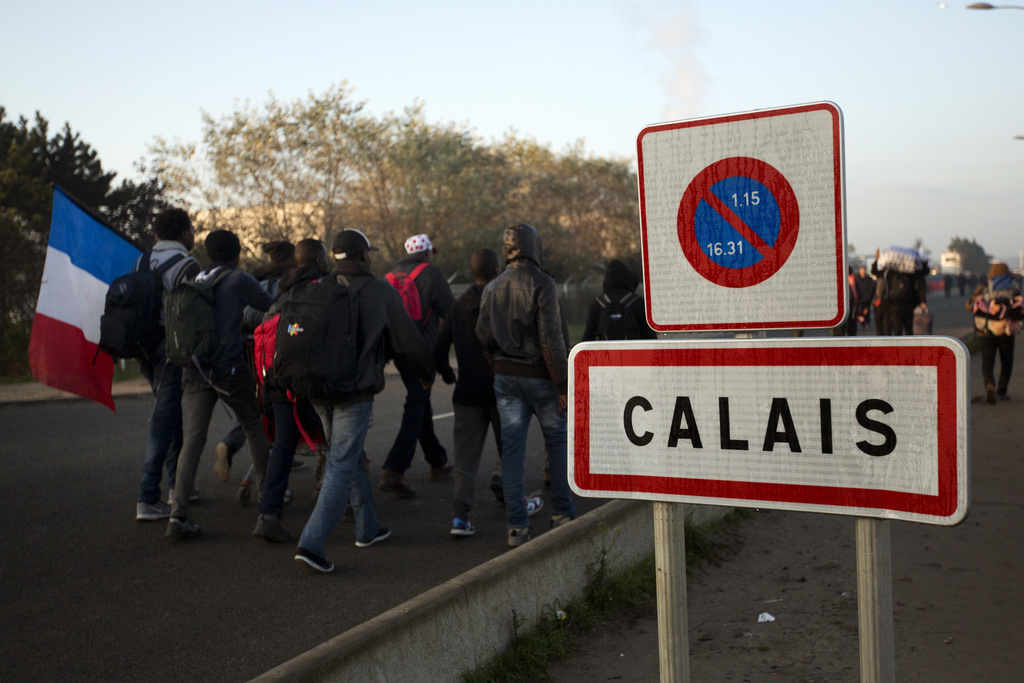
(427, 297)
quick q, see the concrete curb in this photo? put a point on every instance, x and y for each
(466, 621)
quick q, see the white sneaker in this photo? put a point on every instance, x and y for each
(147, 512)
(533, 503)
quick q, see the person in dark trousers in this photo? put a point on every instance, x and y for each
(228, 379)
(998, 310)
(311, 264)
(282, 259)
(175, 236)
(865, 295)
(473, 400)
(522, 333)
(436, 299)
(386, 331)
(620, 283)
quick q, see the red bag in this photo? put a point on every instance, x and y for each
(265, 338)
(406, 286)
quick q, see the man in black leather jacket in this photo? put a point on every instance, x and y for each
(520, 328)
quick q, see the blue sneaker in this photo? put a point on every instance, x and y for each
(462, 527)
(533, 503)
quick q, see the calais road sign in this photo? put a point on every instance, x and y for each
(872, 427)
(742, 220)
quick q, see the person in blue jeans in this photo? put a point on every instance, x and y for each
(385, 330)
(524, 335)
(175, 237)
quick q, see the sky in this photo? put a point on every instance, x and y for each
(931, 95)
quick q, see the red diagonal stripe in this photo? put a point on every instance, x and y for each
(737, 223)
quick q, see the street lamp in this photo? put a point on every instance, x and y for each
(985, 5)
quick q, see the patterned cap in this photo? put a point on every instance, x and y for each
(418, 243)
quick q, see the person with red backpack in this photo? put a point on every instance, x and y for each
(427, 297)
(311, 264)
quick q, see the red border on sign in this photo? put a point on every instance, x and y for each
(943, 359)
(840, 267)
(789, 215)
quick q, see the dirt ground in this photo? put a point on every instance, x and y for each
(957, 594)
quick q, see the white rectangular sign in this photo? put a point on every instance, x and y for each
(872, 427)
(742, 220)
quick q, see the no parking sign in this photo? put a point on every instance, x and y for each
(742, 220)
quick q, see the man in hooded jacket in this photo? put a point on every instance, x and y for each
(619, 282)
(520, 328)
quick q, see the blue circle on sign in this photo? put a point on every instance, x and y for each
(747, 201)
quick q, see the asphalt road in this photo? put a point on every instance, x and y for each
(88, 593)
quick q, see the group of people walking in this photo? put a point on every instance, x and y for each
(511, 346)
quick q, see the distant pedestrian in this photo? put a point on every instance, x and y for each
(947, 284)
(998, 311)
(865, 288)
(175, 238)
(473, 401)
(904, 272)
(227, 378)
(426, 290)
(385, 331)
(961, 282)
(520, 328)
(618, 313)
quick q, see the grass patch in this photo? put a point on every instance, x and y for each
(606, 596)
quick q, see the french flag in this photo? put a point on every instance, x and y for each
(82, 259)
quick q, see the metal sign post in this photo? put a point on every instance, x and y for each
(874, 601)
(670, 564)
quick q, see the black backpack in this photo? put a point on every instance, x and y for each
(130, 325)
(617, 321)
(316, 351)
(190, 324)
(900, 287)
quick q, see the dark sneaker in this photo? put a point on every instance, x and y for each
(320, 564)
(990, 393)
(438, 473)
(395, 483)
(148, 512)
(496, 488)
(381, 535)
(179, 529)
(519, 536)
(1003, 397)
(269, 529)
(222, 461)
(559, 520)
(462, 527)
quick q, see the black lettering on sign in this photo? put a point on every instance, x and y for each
(826, 425)
(772, 435)
(627, 421)
(683, 410)
(889, 445)
(723, 423)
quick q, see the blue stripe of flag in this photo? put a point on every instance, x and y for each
(92, 246)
